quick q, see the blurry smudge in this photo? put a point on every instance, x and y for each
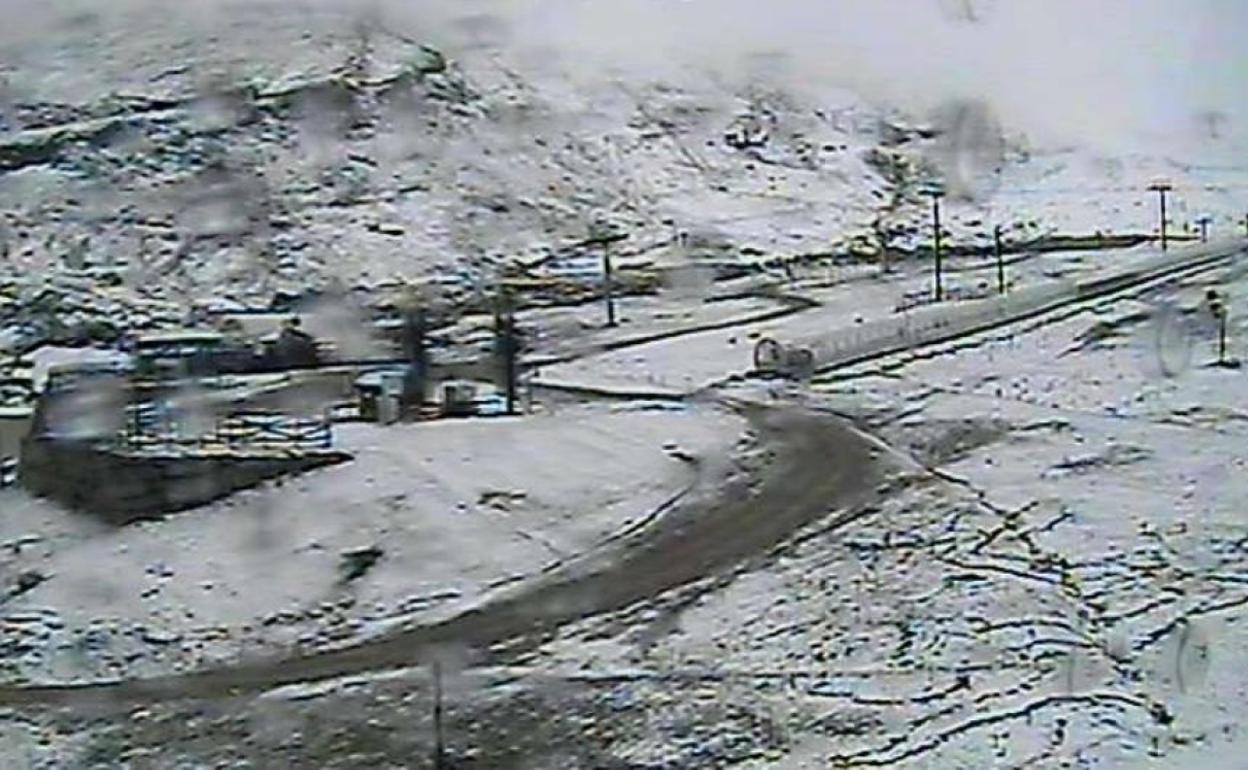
(213, 213)
(966, 10)
(192, 411)
(324, 116)
(970, 149)
(452, 662)
(220, 105)
(1078, 671)
(94, 411)
(99, 201)
(278, 722)
(404, 126)
(265, 532)
(769, 66)
(1212, 123)
(337, 320)
(481, 31)
(1186, 656)
(1173, 346)
(689, 282)
(1172, 335)
(222, 201)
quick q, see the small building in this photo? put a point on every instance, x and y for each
(581, 268)
(67, 364)
(380, 398)
(182, 353)
(292, 348)
(459, 398)
(379, 394)
(252, 327)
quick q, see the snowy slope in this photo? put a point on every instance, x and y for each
(251, 150)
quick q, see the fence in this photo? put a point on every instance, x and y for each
(275, 431)
(924, 297)
(151, 428)
(934, 323)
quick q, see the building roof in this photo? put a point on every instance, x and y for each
(253, 325)
(178, 337)
(374, 378)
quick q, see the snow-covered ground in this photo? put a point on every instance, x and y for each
(851, 312)
(1049, 574)
(458, 509)
(1067, 586)
(1058, 581)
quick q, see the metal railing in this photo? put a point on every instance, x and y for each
(151, 429)
(933, 323)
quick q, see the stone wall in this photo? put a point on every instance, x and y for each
(122, 488)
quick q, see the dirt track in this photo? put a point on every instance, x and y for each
(803, 467)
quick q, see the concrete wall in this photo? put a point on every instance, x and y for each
(124, 488)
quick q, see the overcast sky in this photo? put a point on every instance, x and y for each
(1061, 68)
(1109, 72)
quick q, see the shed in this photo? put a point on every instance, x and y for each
(188, 351)
(370, 388)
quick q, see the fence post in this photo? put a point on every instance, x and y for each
(1000, 252)
(439, 753)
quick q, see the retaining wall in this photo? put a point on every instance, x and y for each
(122, 488)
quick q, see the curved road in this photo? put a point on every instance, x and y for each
(804, 467)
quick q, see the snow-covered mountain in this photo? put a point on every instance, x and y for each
(241, 150)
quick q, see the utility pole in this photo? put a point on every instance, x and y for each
(439, 755)
(1000, 252)
(936, 196)
(608, 283)
(1203, 223)
(416, 351)
(1161, 188)
(1222, 336)
(510, 354)
(507, 345)
(608, 274)
(1218, 308)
